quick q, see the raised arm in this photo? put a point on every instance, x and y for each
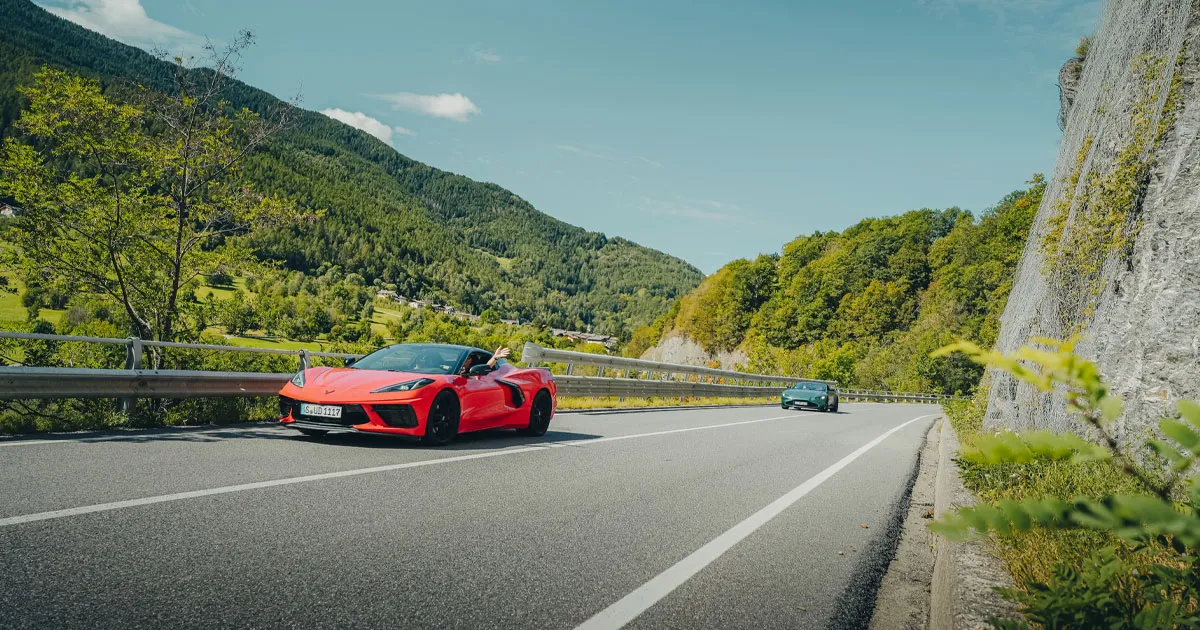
(500, 353)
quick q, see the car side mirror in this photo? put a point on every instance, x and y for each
(480, 370)
(348, 361)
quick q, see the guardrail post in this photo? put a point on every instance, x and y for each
(133, 361)
(133, 354)
(625, 375)
(570, 368)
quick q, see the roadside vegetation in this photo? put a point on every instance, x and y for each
(866, 306)
(1097, 532)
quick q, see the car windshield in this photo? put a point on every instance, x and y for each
(421, 358)
(816, 387)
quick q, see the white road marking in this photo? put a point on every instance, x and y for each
(634, 604)
(179, 496)
(32, 442)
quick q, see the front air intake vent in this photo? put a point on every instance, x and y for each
(397, 415)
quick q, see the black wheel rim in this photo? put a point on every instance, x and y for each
(539, 415)
(438, 425)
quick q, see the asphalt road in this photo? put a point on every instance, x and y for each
(715, 518)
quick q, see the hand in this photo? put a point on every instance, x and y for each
(500, 353)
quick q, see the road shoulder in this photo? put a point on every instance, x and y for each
(933, 582)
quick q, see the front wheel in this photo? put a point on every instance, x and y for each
(783, 405)
(834, 407)
(441, 426)
(539, 415)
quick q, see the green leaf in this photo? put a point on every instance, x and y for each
(1190, 410)
(1177, 460)
(1111, 408)
(1181, 433)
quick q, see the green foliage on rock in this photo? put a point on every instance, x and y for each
(1098, 216)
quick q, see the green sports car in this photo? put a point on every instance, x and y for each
(816, 394)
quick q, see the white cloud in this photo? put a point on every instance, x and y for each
(126, 21)
(725, 213)
(452, 106)
(404, 131)
(359, 120)
(607, 157)
(583, 152)
(485, 55)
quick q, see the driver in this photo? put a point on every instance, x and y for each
(428, 360)
(500, 353)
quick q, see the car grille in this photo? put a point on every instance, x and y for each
(351, 414)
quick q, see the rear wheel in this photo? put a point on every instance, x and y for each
(313, 432)
(539, 415)
(441, 426)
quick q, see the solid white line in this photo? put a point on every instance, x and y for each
(179, 496)
(629, 607)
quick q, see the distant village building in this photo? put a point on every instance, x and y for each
(573, 335)
(7, 211)
(577, 336)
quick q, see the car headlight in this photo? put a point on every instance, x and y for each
(406, 386)
(298, 379)
(823, 396)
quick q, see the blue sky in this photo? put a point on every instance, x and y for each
(710, 130)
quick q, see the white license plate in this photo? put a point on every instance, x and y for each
(321, 411)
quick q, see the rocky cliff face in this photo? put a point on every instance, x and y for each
(682, 350)
(1114, 254)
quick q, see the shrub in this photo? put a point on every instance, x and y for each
(1147, 512)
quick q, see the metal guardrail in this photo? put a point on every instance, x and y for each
(36, 382)
(642, 388)
(533, 353)
(133, 343)
(661, 379)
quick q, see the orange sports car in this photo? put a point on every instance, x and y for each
(422, 390)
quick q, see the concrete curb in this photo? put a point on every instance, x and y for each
(933, 582)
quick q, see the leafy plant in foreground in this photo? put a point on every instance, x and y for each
(1161, 525)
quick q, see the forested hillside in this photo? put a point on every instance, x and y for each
(867, 305)
(394, 221)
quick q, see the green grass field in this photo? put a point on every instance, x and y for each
(221, 293)
(11, 309)
(255, 341)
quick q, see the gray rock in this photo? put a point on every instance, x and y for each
(1145, 331)
(1068, 86)
(682, 350)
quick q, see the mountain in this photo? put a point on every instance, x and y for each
(433, 234)
(864, 306)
